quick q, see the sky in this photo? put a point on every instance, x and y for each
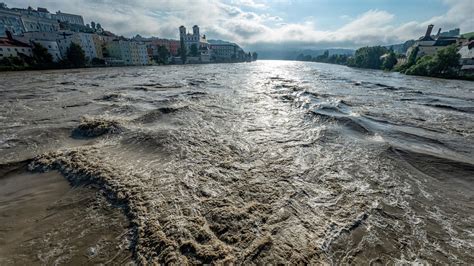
(298, 24)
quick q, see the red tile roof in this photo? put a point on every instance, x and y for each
(13, 43)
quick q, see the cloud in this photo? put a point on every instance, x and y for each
(251, 23)
(249, 3)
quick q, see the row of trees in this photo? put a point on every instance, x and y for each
(375, 57)
(445, 63)
(42, 59)
(340, 59)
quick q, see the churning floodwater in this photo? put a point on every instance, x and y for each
(264, 162)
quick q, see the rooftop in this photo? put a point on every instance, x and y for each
(69, 14)
(426, 38)
(12, 43)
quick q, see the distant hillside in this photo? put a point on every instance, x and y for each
(468, 35)
(402, 47)
(292, 54)
(218, 42)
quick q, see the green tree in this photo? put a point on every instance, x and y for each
(193, 50)
(12, 63)
(445, 63)
(41, 56)
(411, 60)
(75, 56)
(307, 58)
(182, 51)
(163, 54)
(368, 57)
(389, 61)
(254, 56)
(423, 67)
(447, 60)
(97, 61)
(323, 58)
(105, 52)
(413, 56)
(342, 59)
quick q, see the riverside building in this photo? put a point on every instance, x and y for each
(58, 42)
(10, 21)
(69, 18)
(128, 52)
(21, 20)
(188, 40)
(11, 47)
(18, 21)
(225, 51)
(195, 38)
(429, 45)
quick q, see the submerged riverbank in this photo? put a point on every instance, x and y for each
(258, 163)
(45, 221)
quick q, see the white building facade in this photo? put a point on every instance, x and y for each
(130, 52)
(226, 52)
(10, 21)
(467, 56)
(69, 18)
(87, 43)
(19, 21)
(34, 23)
(142, 54)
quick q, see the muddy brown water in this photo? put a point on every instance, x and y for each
(268, 162)
(45, 221)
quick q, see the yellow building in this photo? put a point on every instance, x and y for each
(131, 52)
(98, 44)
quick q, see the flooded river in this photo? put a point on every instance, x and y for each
(260, 163)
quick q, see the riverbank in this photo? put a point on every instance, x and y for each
(445, 63)
(13, 69)
(458, 77)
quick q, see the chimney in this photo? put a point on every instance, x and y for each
(439, 33)
(429, 30)
(9, 35)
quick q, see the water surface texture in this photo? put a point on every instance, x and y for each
(260, 162)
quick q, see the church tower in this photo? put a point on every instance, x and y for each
(196, 31)
(182, 32)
